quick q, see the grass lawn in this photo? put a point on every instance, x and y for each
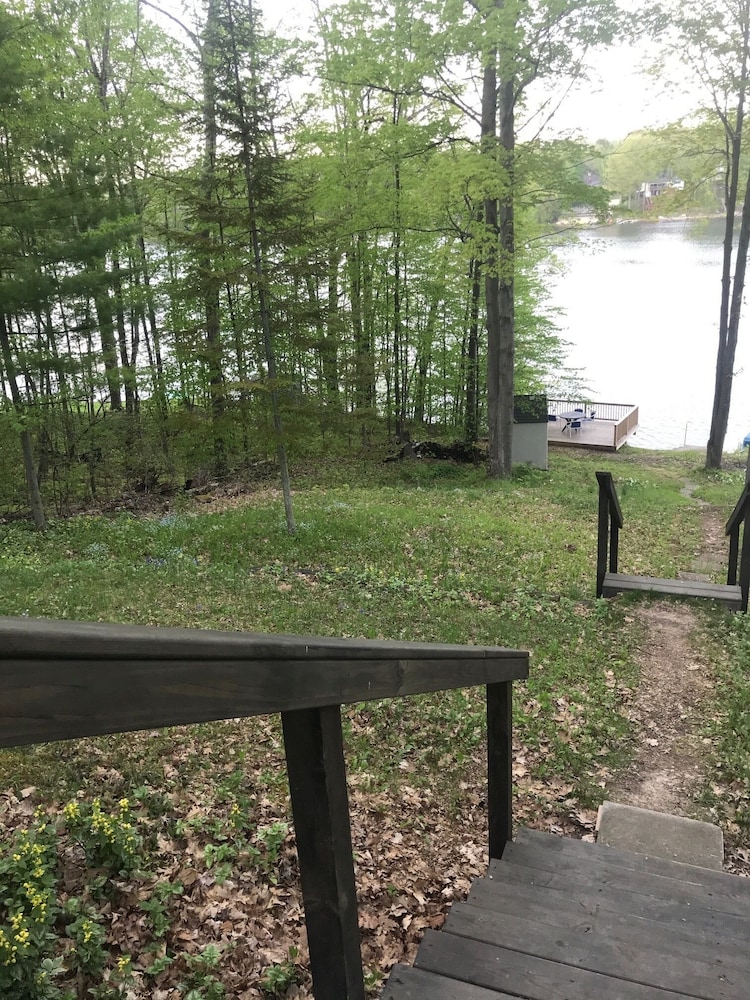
(167, 859)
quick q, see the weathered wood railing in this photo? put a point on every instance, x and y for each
(615, 412)
(739, 523)
(63, 680)
(610, 523)
(609, 582)
(625, 426)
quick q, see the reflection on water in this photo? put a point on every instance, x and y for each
(640, 309)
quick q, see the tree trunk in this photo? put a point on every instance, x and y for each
(499, 273)
(211, 301)
(506, 281)
(106, 324)
(471, 417)
(329, 345)
(731, 287)
(728, 345)
(32, 483)
(248, 117)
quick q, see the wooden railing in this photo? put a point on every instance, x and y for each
(63, 680)
(616, 412)
(626, 426)
(610, 523)
(739, 523)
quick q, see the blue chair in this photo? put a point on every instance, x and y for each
(551, 416)
(575, 425)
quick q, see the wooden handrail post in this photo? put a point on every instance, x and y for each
(614, 544)
(603, 537)
(499, 766)
(734, 552)
(745, 561)
(317, 784)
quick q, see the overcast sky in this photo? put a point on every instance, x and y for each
(620, 98)
(617, 100)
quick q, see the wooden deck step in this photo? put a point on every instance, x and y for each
(561, 919)
(566, 849)
(620, 583)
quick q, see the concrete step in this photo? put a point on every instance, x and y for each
(660, 835)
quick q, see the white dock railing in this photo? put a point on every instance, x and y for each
(613, 422)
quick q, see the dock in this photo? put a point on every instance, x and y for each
(557, 919)
(608, 430)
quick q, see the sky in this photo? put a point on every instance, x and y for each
(617, 99)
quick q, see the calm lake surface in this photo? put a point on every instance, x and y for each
(639, 307)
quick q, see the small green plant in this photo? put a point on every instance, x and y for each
(28, 911)
(272, 839)
(157, 906)
(201, 983)
(279, 977)
(116, 983)
(88, 937)
(372, 979)
(110, 840)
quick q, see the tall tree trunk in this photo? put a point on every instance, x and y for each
(507, 305)
(105, 320)
(248, 127)
(471, 416)
(728, 345)
(499, 277)
(360, 284)
(211, 284)
(32, 483)
(731, 287)
(398, 394)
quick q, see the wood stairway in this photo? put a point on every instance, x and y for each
(559, 919)
(609, 582)
(621, 583)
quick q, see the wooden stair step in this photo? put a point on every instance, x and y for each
(620, 583)
(521, 975)
(568, 850)
(559, 919)
(408, 983)
(650, 956)
(585, 909)
(619, 896)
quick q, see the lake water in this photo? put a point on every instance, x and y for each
(639, 307)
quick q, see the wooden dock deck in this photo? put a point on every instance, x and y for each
(603, 426)
(558, 919)
(597, 434)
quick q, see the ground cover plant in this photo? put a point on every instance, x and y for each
(162, 864)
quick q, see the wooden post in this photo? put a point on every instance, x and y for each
(745, 561)
(603, 536)
(500, 766)
(614, 544)
(734, 551)
(317, 783)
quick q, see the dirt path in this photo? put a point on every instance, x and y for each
(669, 764)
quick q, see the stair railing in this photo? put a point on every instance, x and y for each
(610, 522)
(62, 680)
(739, 524)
